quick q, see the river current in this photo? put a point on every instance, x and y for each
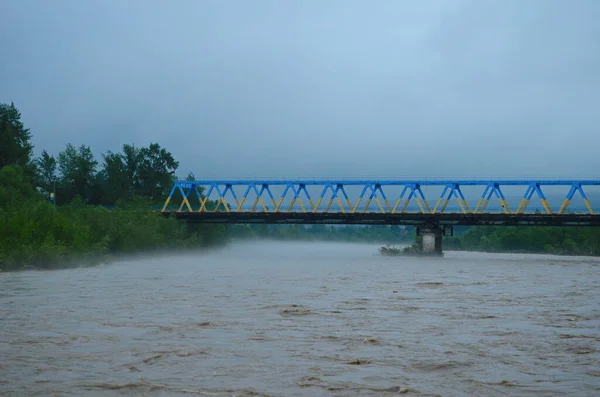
(304, 319)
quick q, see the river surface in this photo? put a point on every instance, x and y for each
(304, 319)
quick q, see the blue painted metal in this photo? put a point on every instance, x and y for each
(391, 182)
(295, 193)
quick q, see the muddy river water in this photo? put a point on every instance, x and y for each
(304, 319)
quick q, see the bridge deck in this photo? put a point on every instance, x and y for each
(373, 218)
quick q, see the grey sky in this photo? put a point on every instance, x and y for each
(314, 88)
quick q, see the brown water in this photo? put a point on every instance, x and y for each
(299, 319)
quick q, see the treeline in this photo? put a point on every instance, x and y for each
(549, 240)
(349, 233)
(52, 209)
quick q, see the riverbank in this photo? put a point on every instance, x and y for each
(35, 234)
(49, 238)
(578, 241)
(564, 241)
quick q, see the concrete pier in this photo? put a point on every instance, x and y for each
(431, 239)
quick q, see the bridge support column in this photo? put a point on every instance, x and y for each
(430, 239)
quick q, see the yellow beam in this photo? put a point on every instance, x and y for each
(588, 205)
(387, 203)
(357, 204)
(397, 204)
(405, 205)
(328, 205)
(227, 209)
(187, 204)
(341, 204)
(203, 204)
(292, 204)
(379, 205)
(504, 205)
(319, 200)
(367, 205)
(254, 204)
(460, 205)
(546, 206)
(427, 205)
(522, 205)
(437, 205)
(564, 206)
(445, 205)
(466, 205)
(278, 206)
(241, 204)
(301, 205)
(418, 200)
(478, 204)
(484, 206)
(350, 207)
(274, 204)
(262, 202)
(166, 204)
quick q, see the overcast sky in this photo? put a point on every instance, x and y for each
(314, 88)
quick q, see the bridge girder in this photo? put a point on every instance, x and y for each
(373, 218)
(258, 197)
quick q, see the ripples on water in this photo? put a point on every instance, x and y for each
(287, 319)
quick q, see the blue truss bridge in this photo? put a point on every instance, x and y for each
(433, 206)
(388, 202)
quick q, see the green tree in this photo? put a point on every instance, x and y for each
(132, 161)
(114, 178)
(120, 175)
(156, 172)
(78, 170)
(15, 139)
(46, 171)
(15, 188)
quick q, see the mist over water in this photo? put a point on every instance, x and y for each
(304, 319)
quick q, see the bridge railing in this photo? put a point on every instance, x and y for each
(384, 196)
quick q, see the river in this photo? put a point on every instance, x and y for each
(304, 319)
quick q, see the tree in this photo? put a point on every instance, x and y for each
(114, 178)
(15, 188)
(46, 172)
(156, 171)
(77, 168)
(120, 174)
(15, 139)
(132, 159)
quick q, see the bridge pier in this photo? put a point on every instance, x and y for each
(430, 240)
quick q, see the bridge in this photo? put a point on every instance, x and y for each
(387, 202)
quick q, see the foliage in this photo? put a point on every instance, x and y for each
(45, 236)
(118, 182)
(552, 240)
(34, 232)
(390, 250)
(14, 187)
(78, 170)
(46, 175)
(156, 171)
(15, 139)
